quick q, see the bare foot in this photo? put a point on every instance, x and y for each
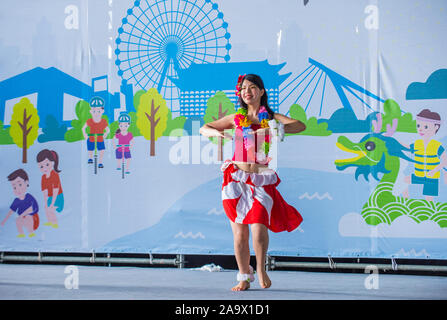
(241, 286)
(264, 280)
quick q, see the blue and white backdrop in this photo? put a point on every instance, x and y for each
(171, 65)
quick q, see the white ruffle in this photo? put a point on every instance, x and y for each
(264, 178)
(225, 165)
(246, 195)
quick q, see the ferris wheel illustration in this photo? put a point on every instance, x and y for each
(158, 38)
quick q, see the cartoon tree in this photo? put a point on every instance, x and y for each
(52, 130)
(133, 124)
(152, 116)
(171, 124)
(218, 107)
(136, 98)
(5, 138)
(24, 126)
(176, 123)
(82, 111)
(113, 127)
(313, 128)
(392, 111)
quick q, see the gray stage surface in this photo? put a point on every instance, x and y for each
(55, 282)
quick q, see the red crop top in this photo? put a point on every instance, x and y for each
(240, 151)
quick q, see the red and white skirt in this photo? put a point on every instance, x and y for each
(253, 198)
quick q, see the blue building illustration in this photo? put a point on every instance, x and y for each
(51, 86)
(199, 82)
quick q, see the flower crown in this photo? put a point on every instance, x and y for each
(239, 85)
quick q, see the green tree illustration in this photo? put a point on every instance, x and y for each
(217, 107)
(24, 126)
(82, 111)
(5, 138)
(392, 111)
(313, 128)
(172, 124)
(152, 116)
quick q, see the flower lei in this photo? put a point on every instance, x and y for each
(241, 120)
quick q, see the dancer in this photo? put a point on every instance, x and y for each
(48, 162)
(249, 193)
(25, 205)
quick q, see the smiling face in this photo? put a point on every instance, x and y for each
(46, 166)
(124, 126)
(250, 93)
(96, 113)
(19, 187)
(426, 129)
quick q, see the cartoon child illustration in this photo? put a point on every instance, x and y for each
(124, 141)
(97, 126)
(429, 155)
(48, 162)
(25, 205)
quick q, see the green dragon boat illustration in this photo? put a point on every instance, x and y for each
(379, 153)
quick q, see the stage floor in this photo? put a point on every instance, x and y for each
(24, 282)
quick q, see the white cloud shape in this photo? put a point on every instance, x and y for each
(353, 225)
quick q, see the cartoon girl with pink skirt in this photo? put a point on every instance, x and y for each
(124, 141)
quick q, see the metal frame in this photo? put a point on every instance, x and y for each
(272, 263)
(48, 257)
(179, 261)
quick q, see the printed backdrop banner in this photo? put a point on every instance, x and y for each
(101, 103)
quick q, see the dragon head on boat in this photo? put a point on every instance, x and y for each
(374, 153)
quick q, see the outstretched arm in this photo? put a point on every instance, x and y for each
(290, 125)
(217, 128)
(7, 217)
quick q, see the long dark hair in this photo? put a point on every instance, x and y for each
(254, 78)
(50, 155)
